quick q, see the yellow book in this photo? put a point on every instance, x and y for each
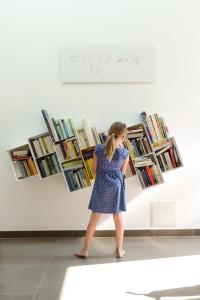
(88, 168)
(86, 177)
(32, 166)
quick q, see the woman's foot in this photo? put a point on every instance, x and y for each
(82, 254)
(119, 253)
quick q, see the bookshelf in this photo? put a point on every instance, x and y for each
(142, 158)
(22, 162)
(148, 170)
(68, 150)
(164, 146)
(44, 155)
(87, 155)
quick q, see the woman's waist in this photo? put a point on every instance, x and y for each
(110, 171)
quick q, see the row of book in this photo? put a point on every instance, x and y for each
(76, 175)
(148, 171)
(88, 158)
(42, 146)
(68, 149)
(168, 156)
(23, 163)
(48, 165)
(89, 163)
(149, 175)
(155, 126)
(89, 136)
(138, 141)
(24, 168)
(59, 129)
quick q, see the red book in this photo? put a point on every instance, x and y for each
(150, 174)
(20, 157)
(171, 153)
(132, 167)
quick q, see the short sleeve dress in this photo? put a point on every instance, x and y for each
(108, 194)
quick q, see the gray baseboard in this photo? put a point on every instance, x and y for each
(98, 233)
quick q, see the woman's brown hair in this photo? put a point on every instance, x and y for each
(115, 130)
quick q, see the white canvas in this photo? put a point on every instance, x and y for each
(131, 63)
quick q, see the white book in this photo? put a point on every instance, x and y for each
(163, 162)
(156, 127)
(168, 159)
(134, 135)
(49, 144)
(88, 133)
(143, 164)
(19, 152)
(96, 135)
(157, 173)
(17, 169)
(42, 145)
(38, 148)
(83, 141)
(135, 130)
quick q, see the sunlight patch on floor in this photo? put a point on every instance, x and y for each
(175, 278)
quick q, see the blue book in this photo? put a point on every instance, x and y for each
(56, 163)
(144, 116)
(68, 181)
(70, 174)
(135, 147)
(65, 128)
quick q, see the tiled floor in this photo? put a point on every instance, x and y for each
(34, 268)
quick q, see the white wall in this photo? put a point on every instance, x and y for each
(31, 34)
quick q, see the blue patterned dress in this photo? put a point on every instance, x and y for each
(108, 194)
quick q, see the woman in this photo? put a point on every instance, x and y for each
(108, 196)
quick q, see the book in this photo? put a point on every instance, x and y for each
(50, 125)
(20, 152)
(22, 162)
(88, 133)
(156, 128)
(48, 165)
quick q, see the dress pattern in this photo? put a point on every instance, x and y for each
(108, 194)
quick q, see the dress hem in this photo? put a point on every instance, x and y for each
(109, 212)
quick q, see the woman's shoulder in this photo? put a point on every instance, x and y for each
(98, 147)
(123, 151)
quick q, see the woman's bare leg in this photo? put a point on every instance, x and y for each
(94, 218)
(119, 234)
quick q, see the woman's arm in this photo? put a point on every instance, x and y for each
(94, 163)
(124, 165)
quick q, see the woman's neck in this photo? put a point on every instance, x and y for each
(118, 143)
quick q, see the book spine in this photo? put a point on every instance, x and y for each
(150, 174)
(50, 126)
